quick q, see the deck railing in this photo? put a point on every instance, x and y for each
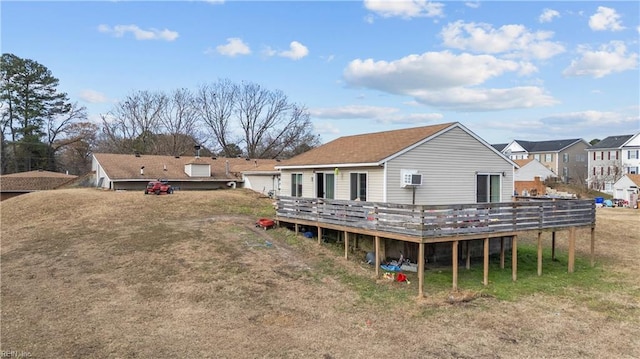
(440, 220)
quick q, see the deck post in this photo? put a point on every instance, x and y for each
(319, 235)
(553, 245)
(514, 257)
(501, 252)
(295, 225)
(593, 246)
(421, 269)
(539, 254)
(572, 249)
(485, 277)
(468, 254)
(346, 245)
(454, 263)
(377, 246)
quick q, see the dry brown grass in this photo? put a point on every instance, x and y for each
(93, 274)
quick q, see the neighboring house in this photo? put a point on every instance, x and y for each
(132, 172)
(439, 164)
(529, 178)
(612, 158)
(15, 184)
(566, 158)
(628, 188)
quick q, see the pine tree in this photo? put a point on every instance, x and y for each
(30, 98)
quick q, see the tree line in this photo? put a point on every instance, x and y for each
(43, 129)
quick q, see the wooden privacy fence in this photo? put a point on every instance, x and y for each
(441, 220)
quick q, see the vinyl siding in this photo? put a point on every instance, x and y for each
(448, 164)
(375, 180)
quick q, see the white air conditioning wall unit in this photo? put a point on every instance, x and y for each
(410, 178)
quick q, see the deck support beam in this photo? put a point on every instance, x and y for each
(454, 263)
(346, 245)
(485, 276)
(377, 246)
(572, 249)
(553, 246)
(514, 258)
(501, 252)
(421, 270)
(539, 254)
(593, 246)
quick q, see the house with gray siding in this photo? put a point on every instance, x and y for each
(431, 165)
(566, 158)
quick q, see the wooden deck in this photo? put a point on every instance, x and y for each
(443, 223)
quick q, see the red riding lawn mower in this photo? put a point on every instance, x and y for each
(158, 187)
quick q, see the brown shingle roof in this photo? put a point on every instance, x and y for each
(635, 178)
(523, 162)
(127, 167)
(365, 148)
(34, 181)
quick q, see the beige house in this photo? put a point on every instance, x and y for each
(439, 164)
(132, 172)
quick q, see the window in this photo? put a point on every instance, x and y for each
(581, 158)
(597, 155)
(358, 186)
(632, 154)
(536, 157)
(488, 188)
(565, 174)
(296, 185)
(632, 170)
(548, 157)
(565, 157)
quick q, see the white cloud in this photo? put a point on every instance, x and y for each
(296, 51)
(605, 19)
(138, 33)
(447, 81)
(384, 115)
(610, 58)
(548, 15)
(474, 99)
(353, 112)
(599, 124)
(214, 2)
(511, 40)
(234, 46)
(92, 96)
(405, 8)
(472, 4)
(431, 70)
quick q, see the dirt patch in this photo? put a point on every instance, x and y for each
(87, 274)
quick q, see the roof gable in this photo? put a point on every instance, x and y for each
(370, 148)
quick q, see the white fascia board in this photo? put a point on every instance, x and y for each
(339, 165)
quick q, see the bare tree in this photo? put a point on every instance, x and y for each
(62, 131)
(215, 103)
(179, 119)
(270, 123)
(130, 126)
